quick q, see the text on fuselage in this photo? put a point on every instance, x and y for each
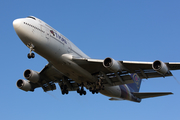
(58, 36)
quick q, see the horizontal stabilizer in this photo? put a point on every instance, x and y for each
(148, 95)
(115, 99)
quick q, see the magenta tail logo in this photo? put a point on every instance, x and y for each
(136, 78)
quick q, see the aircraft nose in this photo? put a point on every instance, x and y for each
(16, 23)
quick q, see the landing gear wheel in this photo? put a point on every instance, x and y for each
(96, 91)
(32, 55)
(29, 56)
(84, 92)
(67, 91)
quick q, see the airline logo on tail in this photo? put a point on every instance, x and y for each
(136, 79)
(137, 82)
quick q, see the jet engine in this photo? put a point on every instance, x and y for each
(160, 67)
(112, 65)
(31, 75)
(23, 85)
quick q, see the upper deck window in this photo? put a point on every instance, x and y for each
(31, 17)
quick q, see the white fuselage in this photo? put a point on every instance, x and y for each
(58, 50)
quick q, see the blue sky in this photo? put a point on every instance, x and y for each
(124, 30)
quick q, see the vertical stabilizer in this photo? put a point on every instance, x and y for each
(137, 83)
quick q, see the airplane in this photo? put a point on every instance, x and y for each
(73, 70)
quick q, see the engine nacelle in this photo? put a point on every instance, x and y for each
(31, 75)
(23, 85)
(160, 67)
(112, 65)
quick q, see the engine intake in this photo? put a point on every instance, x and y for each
(31, 75)
(23, 85)
(112, 65)
(160, 67)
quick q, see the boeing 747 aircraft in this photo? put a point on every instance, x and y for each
(73, 70)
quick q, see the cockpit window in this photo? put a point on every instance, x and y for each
(31, 17)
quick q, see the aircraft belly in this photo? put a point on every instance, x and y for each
(112, 91)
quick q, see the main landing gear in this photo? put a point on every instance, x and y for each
(64, 89)
(81, 91)
(94, 90)
(30, 54)
(97, 87)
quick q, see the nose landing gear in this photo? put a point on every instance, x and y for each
(30, 54)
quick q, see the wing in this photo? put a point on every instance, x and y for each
(49, 76)
(143, 69)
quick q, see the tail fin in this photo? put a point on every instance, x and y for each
(137, 83)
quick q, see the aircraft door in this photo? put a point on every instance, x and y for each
(44, 32)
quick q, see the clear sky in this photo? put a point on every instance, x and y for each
(137, 30)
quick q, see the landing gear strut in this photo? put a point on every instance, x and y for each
(30, 54)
